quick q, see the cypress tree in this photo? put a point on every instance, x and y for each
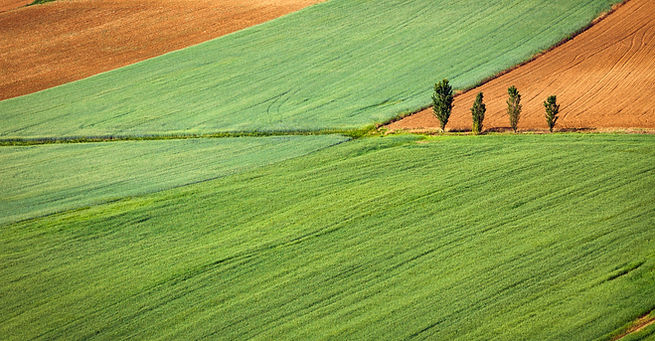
(552, 109)
(477, 112)
(442, 102)
(514, 107)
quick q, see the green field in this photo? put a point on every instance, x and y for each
(341, 64)
(509, 237)
(525, 237)
(38, 180)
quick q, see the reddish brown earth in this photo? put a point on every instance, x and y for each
(603, 78)
(58, 42)
(7, 5)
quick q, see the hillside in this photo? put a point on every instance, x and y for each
(238, 189)
(603, 78)
(340, 64)
(45, 179)
(539, 237)
(63, 41)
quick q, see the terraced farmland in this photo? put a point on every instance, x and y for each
(38, 180)
(341, 64)
(604, 78)
(511, 237)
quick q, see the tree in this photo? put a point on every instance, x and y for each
(552, 109)
(514, 107)
(442, 102)
(478, 111)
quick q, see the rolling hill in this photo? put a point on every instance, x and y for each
(544, 237)
(364, 236)
(63, 41)
(44, 179)
(603, 78)
(340, 64)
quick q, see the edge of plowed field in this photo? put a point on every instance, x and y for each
(410, 121)
(61, 42)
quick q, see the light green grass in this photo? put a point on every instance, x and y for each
(38, 180)
(529, 237)
(337, 65)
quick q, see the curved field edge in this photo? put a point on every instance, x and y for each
(336, 65)
(516, 237)
(53, 44)
(602, 80)
(42, 180)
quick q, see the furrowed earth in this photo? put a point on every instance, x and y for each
(603, 78)
(7, 5)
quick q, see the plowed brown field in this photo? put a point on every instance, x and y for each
(6, 5)
(603, 78)
(62, 41)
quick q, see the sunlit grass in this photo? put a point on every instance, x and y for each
(460, 237)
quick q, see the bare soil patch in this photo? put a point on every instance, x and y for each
(603, 78)
(58, 42)
(8, 5)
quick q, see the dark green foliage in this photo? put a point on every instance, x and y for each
(442, 102)
(552, 109)
(478, 111)
(514, 107)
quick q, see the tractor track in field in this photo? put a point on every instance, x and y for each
(62, 41)
(604, 79)
(639, 325)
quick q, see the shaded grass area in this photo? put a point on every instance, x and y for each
(38, 180)
(338, 65)
(457, 237)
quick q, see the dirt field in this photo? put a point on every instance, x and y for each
(58, 42)
(6, 5)
(603, 78)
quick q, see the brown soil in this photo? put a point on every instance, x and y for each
(62, 41)
(603, 78)
(8, 5)
(640, 324)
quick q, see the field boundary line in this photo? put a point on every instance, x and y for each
(29, 141)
